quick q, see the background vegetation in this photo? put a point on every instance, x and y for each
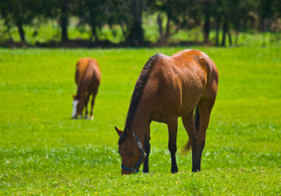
(99, 23)
(44, 152)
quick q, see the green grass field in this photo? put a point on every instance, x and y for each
(44, 152)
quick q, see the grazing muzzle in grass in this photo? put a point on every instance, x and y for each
(74, 110)
(129, 147)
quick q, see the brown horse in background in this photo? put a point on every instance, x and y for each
(167, 88)
(87, 78)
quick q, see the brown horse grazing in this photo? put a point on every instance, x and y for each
(167, 88)
(87, 78)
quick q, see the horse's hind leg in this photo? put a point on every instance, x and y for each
(173, 129)
(94, 93)
(205, 108)
(189, 125)
(86, 105)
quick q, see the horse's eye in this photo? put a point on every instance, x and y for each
(131, 154)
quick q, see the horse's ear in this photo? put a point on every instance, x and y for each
(118, 131)
(129, 131)
(73, 96)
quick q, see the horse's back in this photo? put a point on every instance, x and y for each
(193, 57)
(81, 67)
(94, 66)
(210, 70)
(87, 67)
(182, 80)
(199, 64)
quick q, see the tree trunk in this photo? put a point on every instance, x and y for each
(160, 27)
(168, 25)
(136, 37)
(64, 35)
(236, 37)
(224, 33)
(206, 28)
(263, 31)
(229, 36)
(21, 33)
(218, 29)
(64, 22)
(8, 31)
(94, 35)
(123, 29)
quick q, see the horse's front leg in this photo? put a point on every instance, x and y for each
(146, 145)
(173, 129)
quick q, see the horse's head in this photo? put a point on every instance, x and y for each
(77, 106)
(130, 150)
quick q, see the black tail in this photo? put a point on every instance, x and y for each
(187, 147)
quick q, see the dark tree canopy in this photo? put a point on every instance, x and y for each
(225, 18)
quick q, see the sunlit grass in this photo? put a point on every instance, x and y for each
(43, 151)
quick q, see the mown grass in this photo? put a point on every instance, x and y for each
(44, 152)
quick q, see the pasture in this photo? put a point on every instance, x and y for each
(44, 152)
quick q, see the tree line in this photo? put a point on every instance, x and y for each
(219, 16)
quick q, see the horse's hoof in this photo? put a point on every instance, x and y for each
(92, 118)
(86, 117)
(174, 170)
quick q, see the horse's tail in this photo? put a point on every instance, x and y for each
(187, 147)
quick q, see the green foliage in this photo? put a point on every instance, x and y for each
(51, 31)
(125, 19)
(44, 152)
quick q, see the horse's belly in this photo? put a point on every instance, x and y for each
(158, 118)
(190, 99)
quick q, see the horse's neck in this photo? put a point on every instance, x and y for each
(81, 91)
(141, 122)
(139, 129)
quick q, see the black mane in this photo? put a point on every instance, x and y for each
(137, 94)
